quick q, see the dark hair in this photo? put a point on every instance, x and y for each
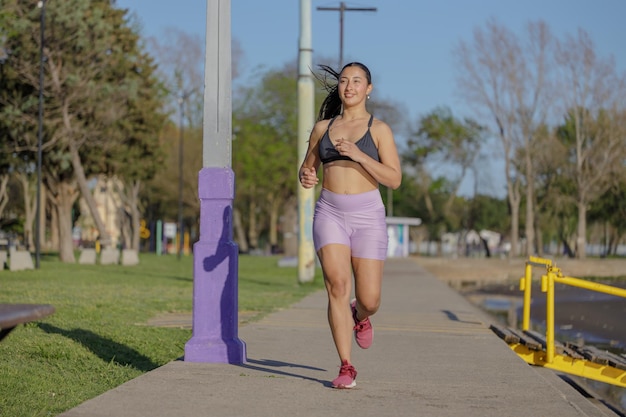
(331, 106)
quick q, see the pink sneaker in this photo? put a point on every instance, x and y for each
(363, 331)
(346, 378)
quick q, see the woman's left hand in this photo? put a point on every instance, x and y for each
(349, 149)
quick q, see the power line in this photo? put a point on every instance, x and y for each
(341, 9)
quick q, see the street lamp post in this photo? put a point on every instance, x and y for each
(42, 6)
(215, 335)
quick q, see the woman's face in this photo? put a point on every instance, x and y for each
(353, 86)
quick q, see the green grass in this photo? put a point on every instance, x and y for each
(98, 338)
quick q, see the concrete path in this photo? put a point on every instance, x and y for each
(433, 355)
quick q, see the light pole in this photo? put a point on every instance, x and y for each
(42, 6)
(215, 335)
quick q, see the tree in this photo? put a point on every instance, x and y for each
(18, 110)
(441, 139)
(160, 196)
(507, 82)
(4, 148)
(610, 211)
(553, 197)
(487, 213)
(591, 93)
(180, 58)
(93, 76)
(4, 195)
(5, 167)
(265, 151)
(136, 155)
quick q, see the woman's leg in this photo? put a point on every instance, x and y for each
(367, 287)
(368, 274)
(336, 266)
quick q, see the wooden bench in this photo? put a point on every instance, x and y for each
(13, 314)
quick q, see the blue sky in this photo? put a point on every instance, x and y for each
(406, 44)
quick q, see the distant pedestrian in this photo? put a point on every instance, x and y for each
(358, 152)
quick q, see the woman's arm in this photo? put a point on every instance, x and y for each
(307, 174)
(388, 171)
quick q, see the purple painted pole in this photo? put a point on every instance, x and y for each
(216, 256)
(215, 292)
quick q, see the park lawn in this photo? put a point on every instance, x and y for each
(98, 337)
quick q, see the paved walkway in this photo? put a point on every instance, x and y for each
(433, 355)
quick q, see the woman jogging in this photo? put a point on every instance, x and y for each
(357, 152)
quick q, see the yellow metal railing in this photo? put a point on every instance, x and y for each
(554, 275)
(549, 358)
(526, 286)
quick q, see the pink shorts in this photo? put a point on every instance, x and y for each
(354, 220)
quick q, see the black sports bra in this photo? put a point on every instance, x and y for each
(328, 153)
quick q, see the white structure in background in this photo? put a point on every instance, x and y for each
(398, 234)
(473, 238)
(111, 211)
(492, 239)
(469, 243)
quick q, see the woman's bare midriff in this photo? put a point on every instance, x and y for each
(347, 177)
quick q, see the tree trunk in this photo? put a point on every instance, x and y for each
(54, 225)
(126, 230)
(515, 203)
(613, 244)
(289, 227)
(567, 250)
(64, 200)
(274, 209)
(512, 190)
(253, 236)
(486, 247)
(129, 212)
(241, 240)
(81, 179)
(4, 194)
(135, 215)
(581, 238)
(30, 209)
(539, 241)
(530, 209)
(42, 217)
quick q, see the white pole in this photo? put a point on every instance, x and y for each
(306, 119)
(217, 144)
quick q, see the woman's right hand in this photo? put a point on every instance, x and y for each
(308, 177)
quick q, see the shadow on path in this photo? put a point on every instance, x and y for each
(453, 317)
(271, 366)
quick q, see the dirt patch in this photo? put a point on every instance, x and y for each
(183, 320)
(495, 270)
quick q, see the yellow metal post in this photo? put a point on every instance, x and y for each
(526, 287)
(549, 288)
